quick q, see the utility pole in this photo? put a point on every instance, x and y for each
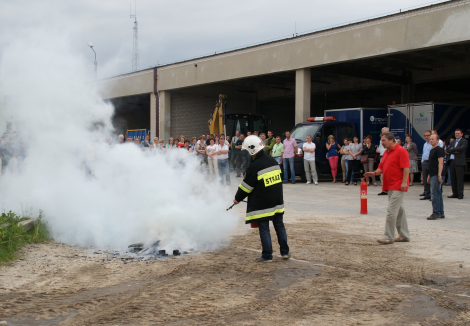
(135, 46)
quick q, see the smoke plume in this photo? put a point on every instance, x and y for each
(131, 196)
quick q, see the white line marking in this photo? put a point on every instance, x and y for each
(450, 293)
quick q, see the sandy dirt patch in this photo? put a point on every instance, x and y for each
(336, 279)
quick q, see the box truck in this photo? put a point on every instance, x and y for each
(368, 121)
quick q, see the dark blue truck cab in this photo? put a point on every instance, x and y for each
(342, 123)
(319, 130)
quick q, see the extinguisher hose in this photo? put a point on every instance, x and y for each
(243, 201)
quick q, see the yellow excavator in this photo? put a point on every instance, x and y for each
(228, 124)
(217, 120)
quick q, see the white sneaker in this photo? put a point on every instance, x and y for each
(316, 182)
(308, 182)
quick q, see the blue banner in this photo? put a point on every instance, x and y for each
(140, 133)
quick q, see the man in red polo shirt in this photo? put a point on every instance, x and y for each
(395, 167)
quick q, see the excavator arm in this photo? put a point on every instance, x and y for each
(216, 122)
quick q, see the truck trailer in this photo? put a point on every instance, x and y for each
(415, 118)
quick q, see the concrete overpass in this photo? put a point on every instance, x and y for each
(417, 55)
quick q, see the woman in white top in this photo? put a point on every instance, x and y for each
(212, 160)
(354, 163)
(344, 161)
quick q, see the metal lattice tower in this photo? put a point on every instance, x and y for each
(135, 46)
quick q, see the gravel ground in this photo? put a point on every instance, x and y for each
(339, 275)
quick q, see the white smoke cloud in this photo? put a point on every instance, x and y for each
(133, 196)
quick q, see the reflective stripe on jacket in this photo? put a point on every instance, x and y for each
(263, 187)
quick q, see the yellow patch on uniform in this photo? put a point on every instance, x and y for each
(271, 178)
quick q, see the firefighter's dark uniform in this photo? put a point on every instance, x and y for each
(263, 187)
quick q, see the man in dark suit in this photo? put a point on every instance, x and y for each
(457, 150)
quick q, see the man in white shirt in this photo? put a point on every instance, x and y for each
(221, 153)
(381, 149)
(263, 138)
(309, 160)
(440, 143)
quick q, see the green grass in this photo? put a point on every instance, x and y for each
(13, 237)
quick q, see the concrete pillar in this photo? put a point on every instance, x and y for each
(164, 114)
(153, 116)
(303, 91)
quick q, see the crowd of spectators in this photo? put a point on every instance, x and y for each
(357, 156)
(218, 154)
(12, 154)
(442, 164)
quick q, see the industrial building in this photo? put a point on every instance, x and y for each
(412, 56)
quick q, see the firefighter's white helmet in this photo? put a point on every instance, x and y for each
(252, 144)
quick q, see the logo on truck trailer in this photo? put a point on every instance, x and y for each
(378, 120)
(421, 118)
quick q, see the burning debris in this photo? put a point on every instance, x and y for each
(136, 252)
(136, 247)
(152, 251)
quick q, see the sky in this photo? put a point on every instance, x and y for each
(176, 30)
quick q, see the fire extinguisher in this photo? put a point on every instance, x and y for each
(363, 196)
(254, 225)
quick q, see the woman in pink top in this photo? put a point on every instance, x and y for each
(332, 147)
(290, 148)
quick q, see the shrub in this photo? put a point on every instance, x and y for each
(13, 236)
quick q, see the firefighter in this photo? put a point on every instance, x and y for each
(263, 187)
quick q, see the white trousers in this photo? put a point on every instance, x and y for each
(213, 169)
(310, 170)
